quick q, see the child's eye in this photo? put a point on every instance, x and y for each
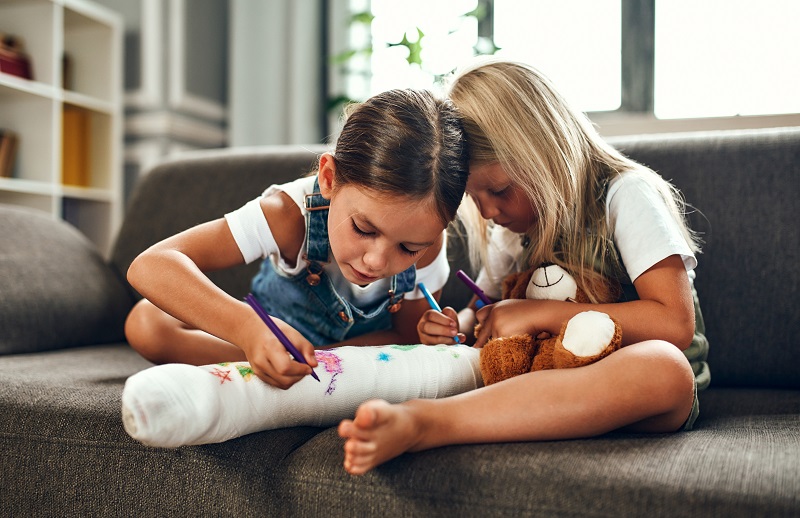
(412, 253)
(403, 249)
(499, 192)
(359, 231)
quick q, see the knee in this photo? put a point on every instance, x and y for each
(670, 373)
(144, 331)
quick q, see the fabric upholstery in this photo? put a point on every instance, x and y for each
(69, 448)
(55, 288)
(64, 453)
(204, 186)
(744, 186)
(730, 465)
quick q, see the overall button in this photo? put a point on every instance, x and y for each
(343, 316)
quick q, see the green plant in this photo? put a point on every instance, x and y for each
(484, 45)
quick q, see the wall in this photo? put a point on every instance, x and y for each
(176, 76)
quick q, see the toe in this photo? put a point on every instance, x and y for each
(345, 428)
(367, 414)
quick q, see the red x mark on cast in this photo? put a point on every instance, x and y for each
(223, 375)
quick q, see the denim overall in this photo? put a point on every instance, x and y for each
(308, 301)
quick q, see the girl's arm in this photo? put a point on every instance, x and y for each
(171, 275)
(665, 310)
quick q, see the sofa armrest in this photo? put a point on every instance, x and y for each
(56, 290)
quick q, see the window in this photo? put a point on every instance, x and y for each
(726, 57)
(409, 50)
(576, 44)
(651, 59)
(573, 50)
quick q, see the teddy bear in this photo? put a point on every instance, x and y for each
(585, 338)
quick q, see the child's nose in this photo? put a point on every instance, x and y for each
(375, 259)
(489, 210)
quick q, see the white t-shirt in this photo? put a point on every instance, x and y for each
(255, 240)
(644, 234)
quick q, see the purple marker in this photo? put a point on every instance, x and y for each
(250, 299)
(483, 300)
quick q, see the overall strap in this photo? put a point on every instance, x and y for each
(405, 281)
(401, 283)
(316, 226)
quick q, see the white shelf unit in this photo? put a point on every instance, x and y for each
(91, 35)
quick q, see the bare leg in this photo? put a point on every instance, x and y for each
(645, 387)
(162, 338)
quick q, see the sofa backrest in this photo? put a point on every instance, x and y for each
(745, 187)
(202, 186)
(56, 290)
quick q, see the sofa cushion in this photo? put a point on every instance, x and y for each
(739, 461)
(55, 288)
(64, 451)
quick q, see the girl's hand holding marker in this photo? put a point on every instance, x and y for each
(435, 306)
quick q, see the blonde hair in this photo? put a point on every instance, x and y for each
(512, 115)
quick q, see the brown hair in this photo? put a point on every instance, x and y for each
(408, 143)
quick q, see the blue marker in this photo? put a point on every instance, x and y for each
(433, 303)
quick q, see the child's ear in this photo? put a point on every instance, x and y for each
(326, 175)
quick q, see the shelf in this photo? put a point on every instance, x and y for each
(33, 21)
(82, 30)
(88, 102)
(17, 86)
(87, 193)
(91, 86)
(4, 3)
(26, 186)
(11, 85)
(32, 117)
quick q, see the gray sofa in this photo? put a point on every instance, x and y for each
(63, 451)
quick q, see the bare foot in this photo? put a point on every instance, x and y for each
(379, 432)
